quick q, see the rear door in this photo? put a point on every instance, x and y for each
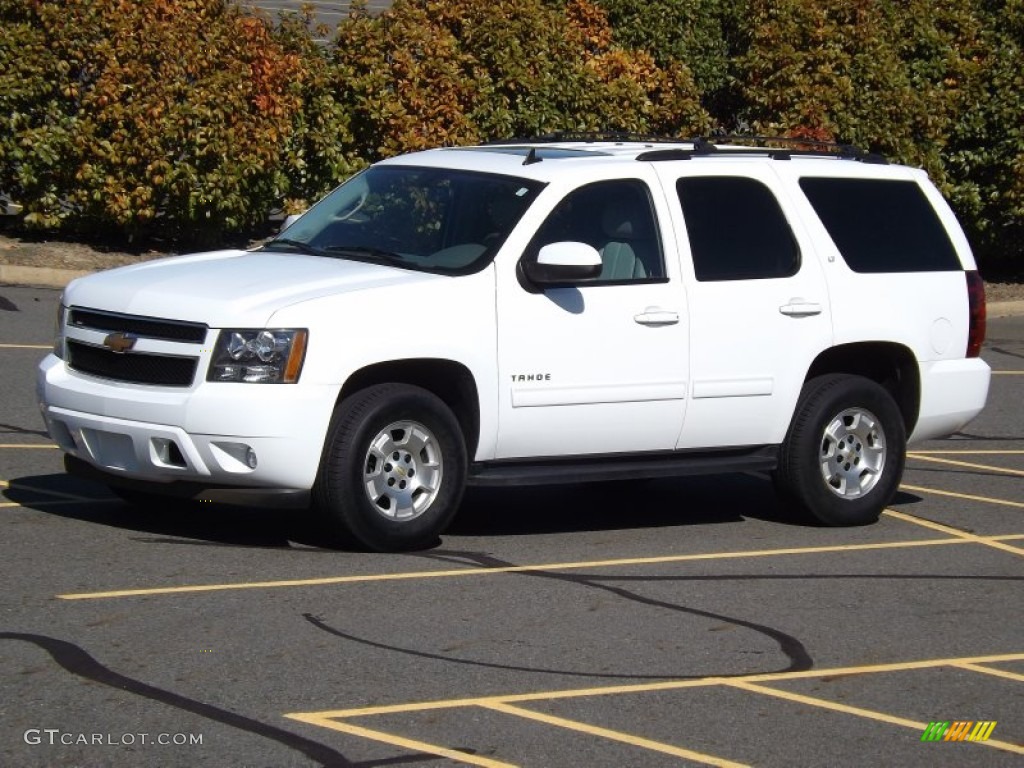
(757, 297)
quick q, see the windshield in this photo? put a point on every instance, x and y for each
(432, 219)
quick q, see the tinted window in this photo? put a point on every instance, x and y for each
(616, 218)
(736, 228)
(882, 226)
(431, 219)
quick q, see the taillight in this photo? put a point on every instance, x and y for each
(976, 307)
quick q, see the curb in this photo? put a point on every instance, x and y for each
(1005, 309)
(38, 277)
(44, 277)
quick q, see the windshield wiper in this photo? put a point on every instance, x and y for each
(363, 251)
(296, 244)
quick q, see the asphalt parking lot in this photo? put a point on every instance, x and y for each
(686, 622)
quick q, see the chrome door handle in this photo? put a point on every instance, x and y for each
(656, 316)
(800, 308)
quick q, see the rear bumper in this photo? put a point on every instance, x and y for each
(952, 393)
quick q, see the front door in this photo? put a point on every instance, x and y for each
(599, 367)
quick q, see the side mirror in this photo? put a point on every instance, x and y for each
(564, 263)
(291, 219)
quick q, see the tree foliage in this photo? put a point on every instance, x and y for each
(442, 72)
(130, 110)
(193, 118)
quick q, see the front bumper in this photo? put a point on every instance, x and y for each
(211, 437)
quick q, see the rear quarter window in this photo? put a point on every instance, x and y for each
(882, 225)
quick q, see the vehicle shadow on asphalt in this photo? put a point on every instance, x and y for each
(619, 505)
(485, 512)
(176, 522)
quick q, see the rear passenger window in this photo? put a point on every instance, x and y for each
(737, 229)
(882, 226)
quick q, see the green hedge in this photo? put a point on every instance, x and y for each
(191, 119)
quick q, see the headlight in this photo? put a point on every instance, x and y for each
(58, 333)
(258, 356)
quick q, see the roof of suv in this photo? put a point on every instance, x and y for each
(534, 157)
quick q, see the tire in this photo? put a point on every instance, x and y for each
(393, 469)
(842, 461)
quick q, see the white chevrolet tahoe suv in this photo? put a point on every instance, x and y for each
(537, 312)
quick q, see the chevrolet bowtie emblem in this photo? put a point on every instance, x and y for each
(119, 342)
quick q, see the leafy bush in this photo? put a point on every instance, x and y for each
(444, 72)
(194, 118)
(131, 115)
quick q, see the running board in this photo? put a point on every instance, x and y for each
(582, 469)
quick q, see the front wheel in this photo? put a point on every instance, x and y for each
(842, 460)
(393, 468)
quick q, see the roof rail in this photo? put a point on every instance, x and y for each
(556, 137)
(792, 147)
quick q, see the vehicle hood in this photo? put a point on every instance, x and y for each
(229, 288)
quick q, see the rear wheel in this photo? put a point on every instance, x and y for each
(393, 468)
(842, 460)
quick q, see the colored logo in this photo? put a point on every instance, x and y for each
(119, 342)
(959, 730)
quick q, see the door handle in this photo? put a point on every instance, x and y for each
(800, 308)
(657, 316)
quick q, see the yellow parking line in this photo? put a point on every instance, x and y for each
(1008, 373)
(991, 671)
(401, 741)
(468, 571)
(26, 346)
(56, 503)
(970, 465)
(967, 496)
(24, 445)
(624, 738)
(985, 540)
(48, 492)
(870, 714)
(968, 453)
(668, 685)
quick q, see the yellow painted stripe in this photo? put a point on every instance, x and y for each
(57, 503)
(401, 741)
(991, 671)
(968, 464)
(567, 566)
(1008, 373)
(953, 531)
(968, 453)
(25, 445)
(668, 685)
(48, 492)
(965, 496)
(619, 736)
(26, 346)
(870, 714)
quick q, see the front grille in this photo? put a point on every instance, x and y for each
(143, 327)
(137, 368)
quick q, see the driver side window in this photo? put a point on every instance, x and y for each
(617, 219)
